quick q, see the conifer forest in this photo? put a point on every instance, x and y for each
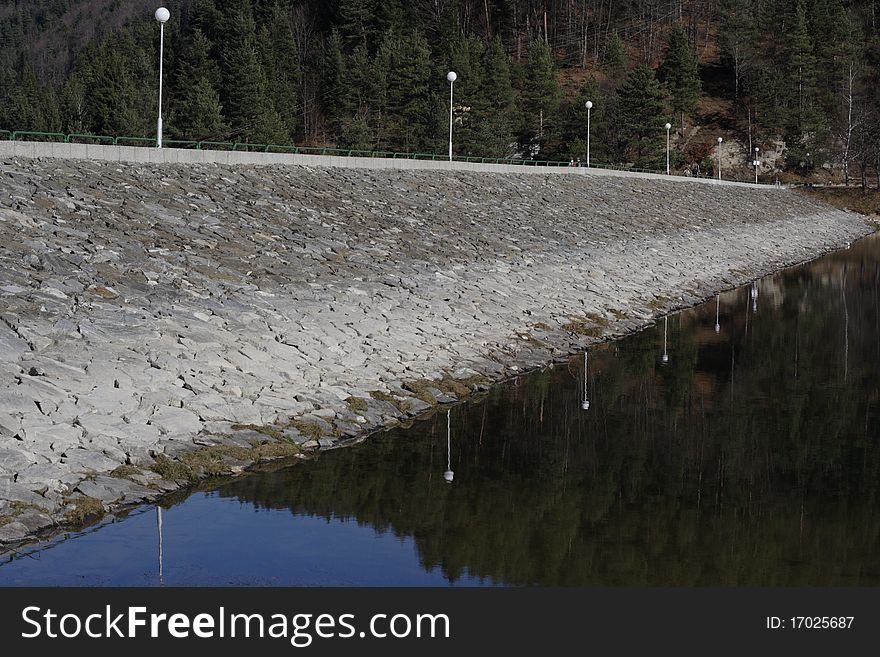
(799, 80)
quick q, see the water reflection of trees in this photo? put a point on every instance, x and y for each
(748, 458)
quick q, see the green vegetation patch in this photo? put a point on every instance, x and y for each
(420, 390)
(86, 509)
(591, 326)
(447, 385)
(272, 432)
(124, 471)
(212, 461)
(357, 404)
(401, 405)
(658, 303)
(311, 430)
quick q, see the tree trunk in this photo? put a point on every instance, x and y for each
(847, 145)
(546, 33)
(488, 21)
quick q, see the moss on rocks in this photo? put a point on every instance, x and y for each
(357, 404)
(124, 471)
(311, 430)
(272, 432)
(401, 405)
(85, 510)
(213, 461)
(591, 326)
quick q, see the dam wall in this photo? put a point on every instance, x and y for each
(161, 322)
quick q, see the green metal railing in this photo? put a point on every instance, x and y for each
(85, 138)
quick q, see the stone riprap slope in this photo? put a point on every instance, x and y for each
(150, 310)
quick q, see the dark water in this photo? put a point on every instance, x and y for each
(751, 457)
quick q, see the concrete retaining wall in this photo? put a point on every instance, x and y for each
(135, 154)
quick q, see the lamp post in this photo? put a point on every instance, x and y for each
(452, 76)
(668, 127)
(162, 15)
(589, 106)
(756, 163)
(718, 155)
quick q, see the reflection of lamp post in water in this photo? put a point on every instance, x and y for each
(159, 525)
(718, 314)
(585, 404)
(754, 296)
(665, 357)
(449, 475)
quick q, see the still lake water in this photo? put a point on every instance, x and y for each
(750, 457)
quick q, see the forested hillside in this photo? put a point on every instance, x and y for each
(800, 79)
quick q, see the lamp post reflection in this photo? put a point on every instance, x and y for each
(718, 314)
(449, 475)
(585, 403)
(754, 294)
(665, 357)
(159, 526)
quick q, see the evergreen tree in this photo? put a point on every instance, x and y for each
(643, 114)
(410, 104)
(357, 132)
(111, 95)
(21, 103)
(74, 105)
(803, 121)
(679, 72)
(471, 100)
(739, 34)
(540, 95)
(246, 101)
(573, 129)
(196, 112)
(280, 60)
(336, 98)
(357, 23)
(615, 60)
(498, 126)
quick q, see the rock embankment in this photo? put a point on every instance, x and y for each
(161, 323)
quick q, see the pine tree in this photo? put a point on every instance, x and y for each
(335, 78)
(471, 101)
(357, 23)
(679, 72)
(246, 101)
(280, 60)
(196, 112)
(111, 95)
(74, 105)
(802, 120)
(357, 132)
(738, 36)
(498, 128)
(615, 60)
(410, 104)
(643, 114)
(21, 107)
(573, 130)
(540, 95)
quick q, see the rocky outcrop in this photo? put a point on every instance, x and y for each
(161, 323)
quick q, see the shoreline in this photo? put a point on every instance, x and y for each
(483, 301)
